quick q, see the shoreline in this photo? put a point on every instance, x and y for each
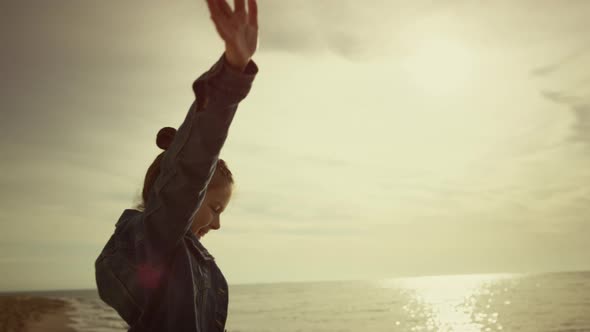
(23, 313)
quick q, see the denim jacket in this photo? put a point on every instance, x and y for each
(153, 270)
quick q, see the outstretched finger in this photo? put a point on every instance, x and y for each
(253, 12)
(225, 8)
(214, 9)
(239, 6)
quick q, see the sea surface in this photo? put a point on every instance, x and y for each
(465, 303)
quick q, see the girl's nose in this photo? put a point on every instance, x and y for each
(216, 224)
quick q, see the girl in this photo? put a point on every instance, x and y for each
(153, 270)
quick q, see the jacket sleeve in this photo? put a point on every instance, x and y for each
(189, 162)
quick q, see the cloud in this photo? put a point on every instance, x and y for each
(580, 108)
(558, 65)
(345, 27)
(572, 91)
(581, 126)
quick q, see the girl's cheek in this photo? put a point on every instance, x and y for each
(206, 219)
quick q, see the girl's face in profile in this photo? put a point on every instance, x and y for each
(208, 215)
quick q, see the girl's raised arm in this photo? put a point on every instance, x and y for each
(188, 164)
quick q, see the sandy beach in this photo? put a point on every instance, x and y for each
(33, 314)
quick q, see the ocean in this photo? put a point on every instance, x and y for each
(464, 303)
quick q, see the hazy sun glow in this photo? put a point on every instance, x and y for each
(439, 66)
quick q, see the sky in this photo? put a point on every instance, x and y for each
(380, 139)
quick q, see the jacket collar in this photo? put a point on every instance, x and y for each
(195, 243)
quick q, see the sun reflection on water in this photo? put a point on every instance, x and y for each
(449, 303)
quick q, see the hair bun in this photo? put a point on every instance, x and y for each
(165, 137)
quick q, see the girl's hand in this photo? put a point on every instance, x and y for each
(237, 28)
